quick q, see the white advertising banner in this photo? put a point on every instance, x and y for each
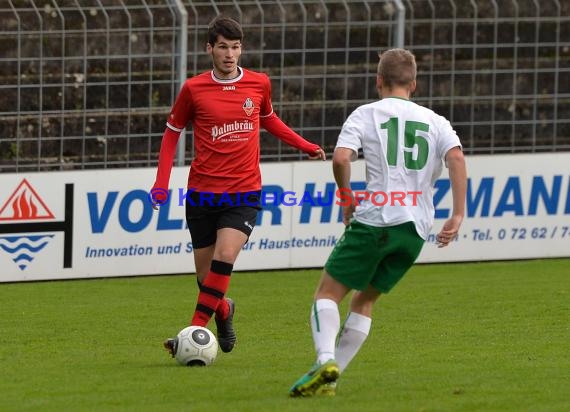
(62, 225)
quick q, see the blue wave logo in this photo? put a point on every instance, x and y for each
(23, 249)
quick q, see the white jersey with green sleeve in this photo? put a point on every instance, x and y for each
(404, 147)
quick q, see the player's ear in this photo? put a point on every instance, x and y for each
(209, 48)
(413, 85)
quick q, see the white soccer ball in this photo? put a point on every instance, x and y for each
(197, 346)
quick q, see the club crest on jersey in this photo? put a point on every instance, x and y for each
(248, 106)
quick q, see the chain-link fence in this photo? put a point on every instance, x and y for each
(88, 84)
(84, 83)
(499, 70)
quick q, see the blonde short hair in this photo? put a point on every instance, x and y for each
(397, 67)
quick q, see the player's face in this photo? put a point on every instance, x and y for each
(225, 56)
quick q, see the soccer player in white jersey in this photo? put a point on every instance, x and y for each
(405, 147)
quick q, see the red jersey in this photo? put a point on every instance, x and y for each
(226, 116)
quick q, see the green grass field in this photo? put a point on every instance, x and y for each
(457, 337)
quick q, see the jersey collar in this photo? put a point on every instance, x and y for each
(226, 81)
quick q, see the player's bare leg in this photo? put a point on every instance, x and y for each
(203, 260)
(362, 302)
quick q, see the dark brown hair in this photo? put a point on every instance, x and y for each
(226, 27)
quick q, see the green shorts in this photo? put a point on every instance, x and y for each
(378, 256)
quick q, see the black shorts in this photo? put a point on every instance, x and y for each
(208, 212)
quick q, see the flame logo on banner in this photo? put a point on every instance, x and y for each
(24, 208)
(25, 204)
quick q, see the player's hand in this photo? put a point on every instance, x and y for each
(318, 154)
(157, 197)
(347, 212)
(449, 231)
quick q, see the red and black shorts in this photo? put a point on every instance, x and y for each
(206, 213)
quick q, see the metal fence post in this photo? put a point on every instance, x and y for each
(182, 44)
(400, 24)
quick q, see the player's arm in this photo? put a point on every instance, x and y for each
(159, 191)
(458, 177)
(179, 116)
(342, 158)
(274, 125)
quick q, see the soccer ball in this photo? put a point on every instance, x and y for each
(197, 346)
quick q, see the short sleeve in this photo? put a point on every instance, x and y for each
(447, 138)
(350, 135)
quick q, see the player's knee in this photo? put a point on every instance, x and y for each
(226, 255)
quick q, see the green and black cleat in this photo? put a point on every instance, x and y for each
(312, 382)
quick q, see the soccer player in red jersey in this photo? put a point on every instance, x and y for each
(226, 107)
